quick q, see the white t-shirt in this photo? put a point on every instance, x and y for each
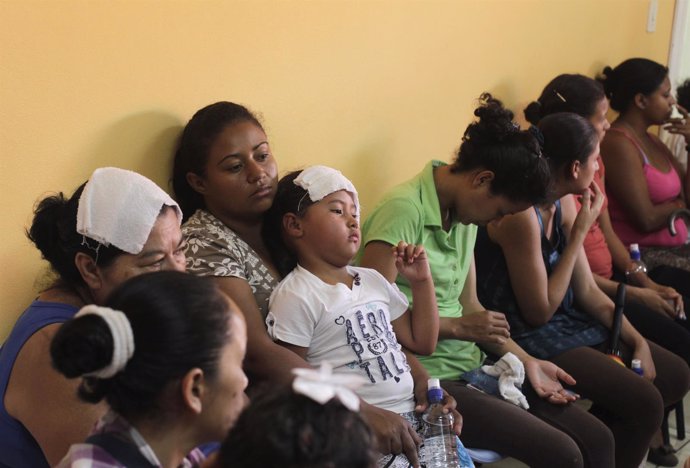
(349, 328)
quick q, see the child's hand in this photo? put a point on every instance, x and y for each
(411, 262)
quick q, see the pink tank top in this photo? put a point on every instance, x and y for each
(663, 187)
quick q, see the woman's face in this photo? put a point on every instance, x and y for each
(588, 169)
(241, 173)
(599, 120)
(227, 399)
(163, 250)
(659, 104)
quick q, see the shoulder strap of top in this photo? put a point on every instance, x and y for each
(632, 140)
(557, 214)
(541, 221)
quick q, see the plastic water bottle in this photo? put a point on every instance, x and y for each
(636, 366)
(440, 447)
(636, 265)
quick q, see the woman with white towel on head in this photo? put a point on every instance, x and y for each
(117, 225)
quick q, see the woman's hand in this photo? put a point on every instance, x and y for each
(680, 126)
(671, 295)
(484, 326)
(449, 406)
(546, 378)
(411, 262)
(591, 200)
(643, 353)
(654, 300)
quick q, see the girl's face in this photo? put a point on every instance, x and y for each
(587, 170)
(598, 118)
(331, 229)
(241, 173)
(659, 104)
(227, 398)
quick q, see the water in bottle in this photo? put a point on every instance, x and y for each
(440, 447)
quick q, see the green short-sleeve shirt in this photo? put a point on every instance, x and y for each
(411, 212)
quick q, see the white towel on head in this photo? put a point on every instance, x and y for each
(119, 207)
(511, 373)
(321, 181)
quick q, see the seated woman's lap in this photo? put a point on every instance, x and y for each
(631, 406)
(673, 335)
(494, 424)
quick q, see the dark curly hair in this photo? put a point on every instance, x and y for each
(283, 429)
(195, 143)
(683, 94)
(496, 143)
(54, 232)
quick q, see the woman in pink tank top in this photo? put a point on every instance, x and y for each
(645, 184)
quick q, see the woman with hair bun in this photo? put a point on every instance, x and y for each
(117, 225)
(532, 266)
(498, 170)
(646, 184)
(166, 354)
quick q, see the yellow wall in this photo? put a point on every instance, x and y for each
(374, 88)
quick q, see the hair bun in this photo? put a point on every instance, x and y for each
(533, 112)
(45, 230)
(495, 121)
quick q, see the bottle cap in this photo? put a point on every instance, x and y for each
(635, 251)
(636, 364)
(434, 392)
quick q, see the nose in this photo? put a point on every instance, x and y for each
(354, 221)
(607, 124)
(254, 171)
(175, 262)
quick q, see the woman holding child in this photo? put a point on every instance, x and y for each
(225, 179)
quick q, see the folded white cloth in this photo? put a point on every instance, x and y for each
(511, 373)
(120, 207)
(321, 181)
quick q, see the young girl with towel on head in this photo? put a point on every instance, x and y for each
(327, 310)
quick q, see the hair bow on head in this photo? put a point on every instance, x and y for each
(322, 385)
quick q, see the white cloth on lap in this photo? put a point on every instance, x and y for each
(511, 374)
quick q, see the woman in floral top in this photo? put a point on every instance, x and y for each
(224, 179)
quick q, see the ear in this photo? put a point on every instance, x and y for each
(88, 270)
(483, 179)
(292, 227)
(574, 169)
(193, 387)
(640, 100)
(196, 182)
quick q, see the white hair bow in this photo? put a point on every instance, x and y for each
(322, 385)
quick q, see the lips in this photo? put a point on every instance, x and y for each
(263, 191)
